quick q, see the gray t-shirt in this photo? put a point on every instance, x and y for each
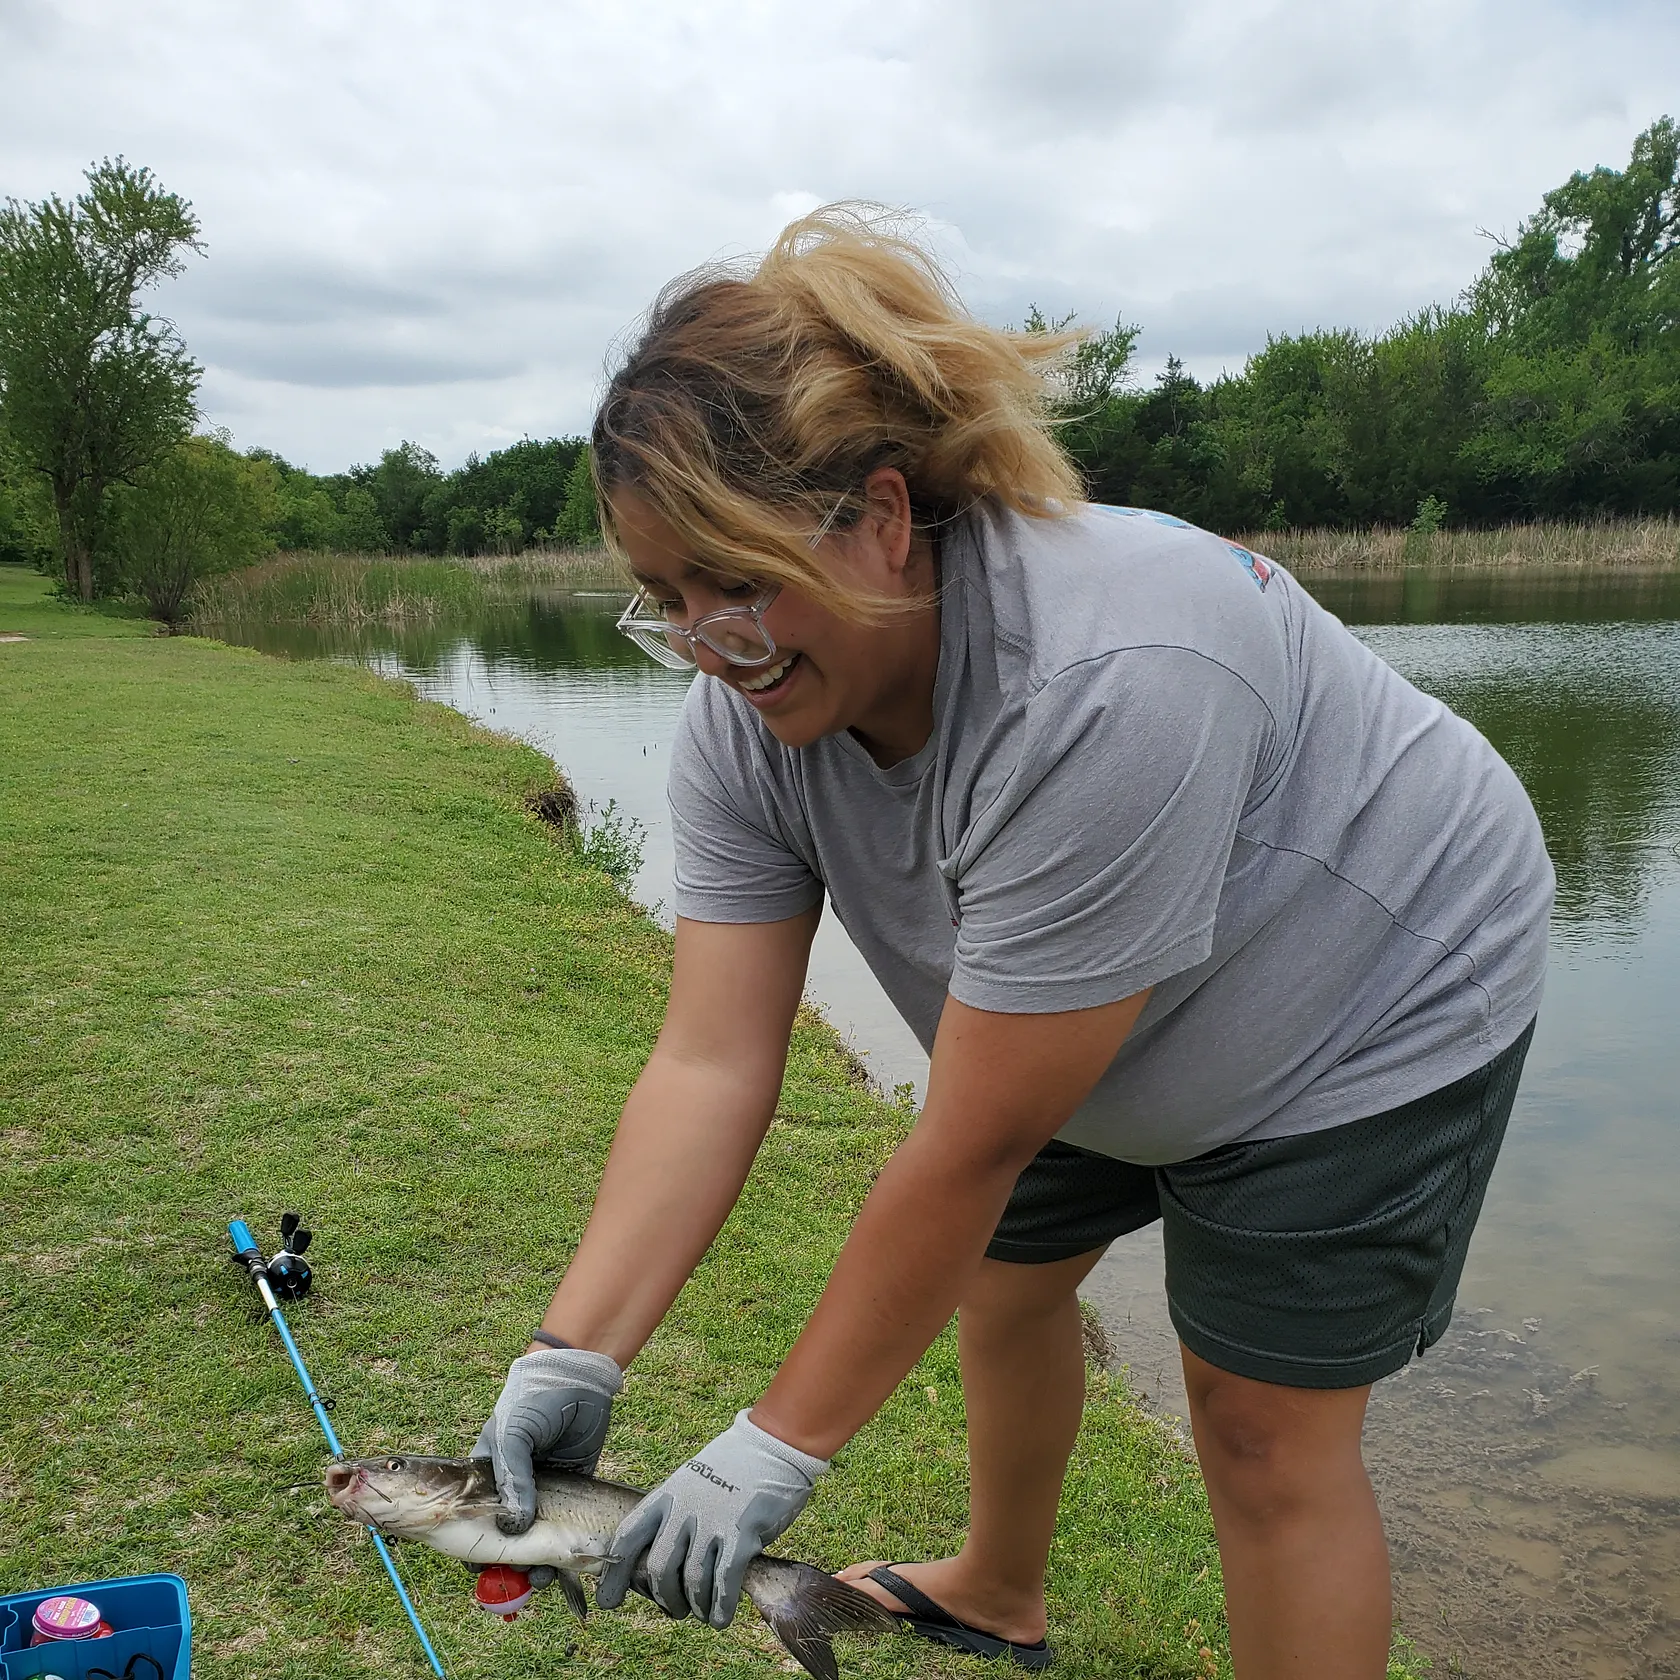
(1155, 761)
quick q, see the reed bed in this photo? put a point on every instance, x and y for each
(353, 591)
(356, 591)
(1621, 545)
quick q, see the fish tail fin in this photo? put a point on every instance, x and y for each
(806, 1608)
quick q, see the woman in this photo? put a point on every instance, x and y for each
(1203, 913)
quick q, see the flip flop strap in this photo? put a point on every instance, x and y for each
(916, 1601)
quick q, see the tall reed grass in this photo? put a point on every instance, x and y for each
(351, 591)
(1621, 545)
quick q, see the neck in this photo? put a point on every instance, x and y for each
(899, 720)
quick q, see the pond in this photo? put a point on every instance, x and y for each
(1529, 1467)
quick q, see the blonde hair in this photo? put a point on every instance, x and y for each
(753, 405)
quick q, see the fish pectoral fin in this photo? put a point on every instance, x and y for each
(572, 1587)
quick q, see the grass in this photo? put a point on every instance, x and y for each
(29, 607)
(1632, 545)
(348, 591)
(278, 935)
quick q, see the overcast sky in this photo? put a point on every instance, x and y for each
(429, 221)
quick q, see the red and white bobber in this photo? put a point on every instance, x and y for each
(503, 1591)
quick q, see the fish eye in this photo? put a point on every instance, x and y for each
(393, 1464)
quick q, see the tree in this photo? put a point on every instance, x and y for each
(400, 486)
(359, 527)
(1602, 256)
(93, 388)
(196, 511)
(579, 521)
(1583, 314)
(23, 517)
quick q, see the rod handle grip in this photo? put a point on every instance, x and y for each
(245, 1249)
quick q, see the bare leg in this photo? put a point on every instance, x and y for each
(1023, 1366)
(1300, 1539)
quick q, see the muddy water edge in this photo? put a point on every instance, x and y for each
(1529, 1465)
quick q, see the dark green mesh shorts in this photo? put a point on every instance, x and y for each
(1319, 1261)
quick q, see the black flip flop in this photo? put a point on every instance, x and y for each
(935, 1622)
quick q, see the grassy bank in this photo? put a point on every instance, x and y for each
(278, 935)
(1618, 545)
(352, 590)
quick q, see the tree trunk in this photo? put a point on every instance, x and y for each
(78, 557)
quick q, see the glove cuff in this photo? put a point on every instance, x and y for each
(579, 1365)
(803, 1462)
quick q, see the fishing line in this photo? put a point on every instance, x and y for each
(132, 1671)
(294, 1283)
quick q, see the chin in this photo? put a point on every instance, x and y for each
(799, 730)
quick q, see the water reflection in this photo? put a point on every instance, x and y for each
(1589, 717)
(550, 630)
(1504, 597)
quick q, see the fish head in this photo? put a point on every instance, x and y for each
(410, 1494)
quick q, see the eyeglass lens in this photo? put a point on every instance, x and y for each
(737, 637)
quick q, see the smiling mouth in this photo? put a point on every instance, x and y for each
(766, 682)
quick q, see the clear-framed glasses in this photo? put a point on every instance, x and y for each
(733, 633)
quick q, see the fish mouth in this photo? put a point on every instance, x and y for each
(342, 1481)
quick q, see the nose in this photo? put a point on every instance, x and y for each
(710, 660)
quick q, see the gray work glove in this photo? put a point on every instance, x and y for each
(554, 1409)
(707, 1521)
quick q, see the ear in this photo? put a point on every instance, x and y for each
(887, 521)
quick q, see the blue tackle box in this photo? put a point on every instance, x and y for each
(148, 1616)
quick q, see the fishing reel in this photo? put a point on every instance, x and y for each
(287, 1274)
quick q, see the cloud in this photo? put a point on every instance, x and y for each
(431, 221)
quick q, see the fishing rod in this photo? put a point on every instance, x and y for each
(288, 1274)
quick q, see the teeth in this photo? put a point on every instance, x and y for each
(774, 675)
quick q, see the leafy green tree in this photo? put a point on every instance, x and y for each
(579, 521)
(358, 528)
(93, 388)
(528, 480)
(198, 510)
(400, 486)
(24, 517)
(1582, 310)
(1601, 258)
(504, 531)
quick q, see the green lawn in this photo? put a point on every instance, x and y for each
(276, 935)
(28, 607)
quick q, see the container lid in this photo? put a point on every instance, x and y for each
(67, 1618)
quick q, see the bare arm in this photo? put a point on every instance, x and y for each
(1001, 1086)
(689, 1132)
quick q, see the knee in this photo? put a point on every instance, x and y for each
(1269, 1452)
(1008, 1300)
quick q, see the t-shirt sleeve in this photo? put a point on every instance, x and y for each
(1097, 869)
(735, 862)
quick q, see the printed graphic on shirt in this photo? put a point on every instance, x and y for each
(1257, 568)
